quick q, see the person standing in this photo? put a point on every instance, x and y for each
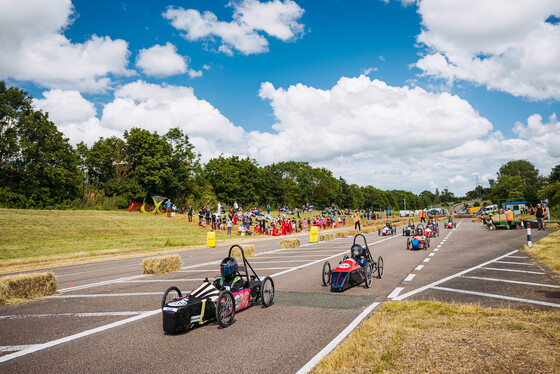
(357, 222)
(229, 225)
(509, 218)
(235, 206)
(190, 213)
(540, 214)
(168, 206)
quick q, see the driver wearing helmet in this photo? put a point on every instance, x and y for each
(419, 231)
(358, 255)
(229, 279)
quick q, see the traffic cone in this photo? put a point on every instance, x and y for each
(522, 223)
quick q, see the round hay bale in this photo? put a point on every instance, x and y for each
(290, 243)
(27, 286)
(342, 234)
(326, 237)
(161, 264)
(248, 249)
(353, 232)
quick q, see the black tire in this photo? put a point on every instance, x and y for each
(378, 232)
(380, 267)
(368, 275)
(326, 273)
(225, 308)
(427, 243)
(403, 232)
(408, 243)
(172, 293)
(267, 292)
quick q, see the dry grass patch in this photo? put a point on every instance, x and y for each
(353, 232)
(17, 289)
(342, 234)
(290, 243)
(161, 264)
(547, 250)
(248, 249)
(433, 337)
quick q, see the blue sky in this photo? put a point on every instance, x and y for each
(397, 94)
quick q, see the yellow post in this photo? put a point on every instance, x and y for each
(210, 239)
(314, 234)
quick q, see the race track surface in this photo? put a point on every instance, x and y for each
(107, 319)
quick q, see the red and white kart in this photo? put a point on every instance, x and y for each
(450, 224)
(421, 240)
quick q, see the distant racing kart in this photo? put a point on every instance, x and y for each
(410, 229)
(353, 270)
(207, 303)
(420, 241)
(432, 229)
(387, 230)
(450, 224)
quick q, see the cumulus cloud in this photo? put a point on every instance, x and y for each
(35, 49)
(161, 61)
(275, 18)
(504, 45)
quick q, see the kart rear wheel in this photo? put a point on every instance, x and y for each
(267, 292)
(378, 232)
(326, 273)
(380, 267)
(368, 275)
(172, 293)
(225, 308)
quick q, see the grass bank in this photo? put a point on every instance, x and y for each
(433, 337)
(547, 250)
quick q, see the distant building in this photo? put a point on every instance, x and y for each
(516, 206)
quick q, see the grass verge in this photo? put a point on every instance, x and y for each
(434, 337)
(547, 250)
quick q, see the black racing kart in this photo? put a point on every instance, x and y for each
(410, 229)
(207, 303)
(353, 270)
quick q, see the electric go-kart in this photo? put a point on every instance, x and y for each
(432, 228)
(410, 229)
(353, 270)
(450, 224)
(387, 230)
(235, 290)
(420, 241)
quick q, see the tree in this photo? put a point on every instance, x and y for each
(528, 173)
(38, 167)
(554, 174)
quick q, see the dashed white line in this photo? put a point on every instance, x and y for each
(54, 315)
(431, 254)
(395, 292)
(427, 260)
(409, 277)
(419, 267)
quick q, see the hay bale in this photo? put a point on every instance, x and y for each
(367, 230)
(161, 264)
(326, 237)
(290, 243)
(353, 232)
(342, 234)
(249, 250)
(27, 286)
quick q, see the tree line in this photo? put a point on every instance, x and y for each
(40, 169)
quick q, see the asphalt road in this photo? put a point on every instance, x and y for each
(107, 318)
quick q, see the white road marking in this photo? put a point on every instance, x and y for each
(325, 351)
(13, 348)
(427, 260)
(395, 292)
(39, 347)
(97, 270)
(497, 296)
(513, 263)
(512, 281)
(525, 257)
(97, 284)
(162, 280)
(409, 277)
(128, 294)
(419, 267)
(423, 288)
(514, 271)
(52, 315)
(431, 254)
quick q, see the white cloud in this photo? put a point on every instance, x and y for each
(276, 18)
(34, 48)
(504, 45)
(161, 61)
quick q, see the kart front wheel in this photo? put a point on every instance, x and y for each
(368, 275)
(172, 293)
(378, 232)
(326, 273)
(408, 243)
(380, 267)
(267, 292)
(225, 308)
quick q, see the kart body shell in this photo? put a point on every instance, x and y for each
(420, 240)
(351, 272)
(206, 303)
